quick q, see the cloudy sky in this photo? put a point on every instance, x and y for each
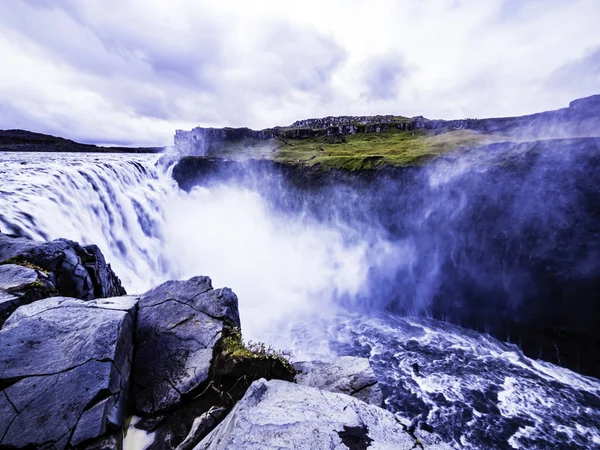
(133, 71)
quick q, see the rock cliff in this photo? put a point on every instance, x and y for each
(581, 118)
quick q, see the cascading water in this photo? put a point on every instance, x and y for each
(150, 232)
(302, 285)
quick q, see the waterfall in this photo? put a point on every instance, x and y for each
(321, 285)
(149, 231)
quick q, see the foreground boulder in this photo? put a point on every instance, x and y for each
(276, 414)
(179, 324)
(347, 375)
(64, 372)
(190, 357)
(59, 267)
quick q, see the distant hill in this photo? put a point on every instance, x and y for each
(28, 141)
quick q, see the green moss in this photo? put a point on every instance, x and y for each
(234, 347)
(22, 261)
(365, 151)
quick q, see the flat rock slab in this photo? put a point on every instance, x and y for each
(64, 371)
(277, 414)
(179, 323)
(347, 375)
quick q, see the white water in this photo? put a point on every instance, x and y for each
(150, 232)
(292, 275)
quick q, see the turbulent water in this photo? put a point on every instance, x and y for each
(300, 282)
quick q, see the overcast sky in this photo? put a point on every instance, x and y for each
(133, 71)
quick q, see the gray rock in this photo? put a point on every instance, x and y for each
(74, 270)
(64, 371)
(21, 285)
(179, 323)
(277, 414)
(347, 375)
(201, 427)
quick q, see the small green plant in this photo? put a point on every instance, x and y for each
(235, 347)
(20, 260)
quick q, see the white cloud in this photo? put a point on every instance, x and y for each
(132, 71)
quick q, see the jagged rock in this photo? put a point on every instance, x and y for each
(64, 371)
(179, 323)
(347, 375)
(276, 414)
(63, 267)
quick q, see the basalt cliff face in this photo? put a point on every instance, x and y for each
(581, 118)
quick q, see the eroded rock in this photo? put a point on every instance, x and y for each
(64, 371)
(347, 375)
(46, 269)
(276, 414)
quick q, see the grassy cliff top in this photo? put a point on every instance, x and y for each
(360, 151)
(372, 150)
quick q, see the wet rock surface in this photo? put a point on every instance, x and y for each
(64, 371)
(277, 414)
(347, 375)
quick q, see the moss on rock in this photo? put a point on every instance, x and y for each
(234, 347)
(20, 260)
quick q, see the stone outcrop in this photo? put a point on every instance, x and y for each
(276, 414)
(347, 375)
(64, 372)
(189, 358)
(179, 324)
(59, 267)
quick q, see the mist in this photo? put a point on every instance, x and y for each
(500, 239)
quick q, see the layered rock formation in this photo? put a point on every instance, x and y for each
(31, 270)
(581, 118)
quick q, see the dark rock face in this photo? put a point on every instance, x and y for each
(59, 267)
(64, 371)
(179, 323)
(277, 414)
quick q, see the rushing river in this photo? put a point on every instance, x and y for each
(301, 284)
